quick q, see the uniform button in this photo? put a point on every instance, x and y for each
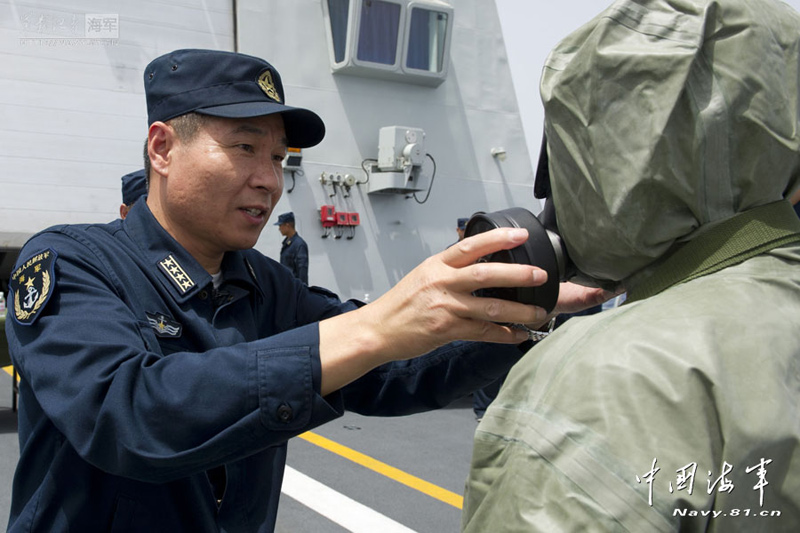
(203, 295)
(285, 413)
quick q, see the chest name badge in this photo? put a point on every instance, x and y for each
(32, 285)
(164, 325)
(176, 274)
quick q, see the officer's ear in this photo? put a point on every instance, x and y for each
(160, 141)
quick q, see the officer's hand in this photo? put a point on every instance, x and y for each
(434, 305)
(573, 298)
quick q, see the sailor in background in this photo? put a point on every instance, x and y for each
(294, 250)
(134, 186)
(461, 225)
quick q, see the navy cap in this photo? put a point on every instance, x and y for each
(224, 84)
(462, 223)
(284, 218)
(134, 185)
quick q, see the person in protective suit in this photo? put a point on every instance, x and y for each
(673, 140)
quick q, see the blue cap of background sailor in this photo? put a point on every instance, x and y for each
(224, 84)
(284, 218)
(134, 185)
(462, 223)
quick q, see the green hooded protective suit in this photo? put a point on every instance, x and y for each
(673, 139)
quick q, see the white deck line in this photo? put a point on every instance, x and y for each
(337, 507)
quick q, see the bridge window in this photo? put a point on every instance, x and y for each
(400, 40)
(378, 32)
(426, 39)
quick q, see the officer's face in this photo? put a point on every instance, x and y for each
(223, 184)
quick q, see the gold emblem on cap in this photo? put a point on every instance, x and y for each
(268, 86)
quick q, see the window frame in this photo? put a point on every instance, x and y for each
(407, 38)
(357, 29)
(398, 70)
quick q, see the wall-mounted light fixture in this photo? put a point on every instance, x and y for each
(499, 153)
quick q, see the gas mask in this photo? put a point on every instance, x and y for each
(544, 247)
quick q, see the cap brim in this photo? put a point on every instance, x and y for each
(304, 128)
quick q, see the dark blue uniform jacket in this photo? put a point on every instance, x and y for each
(294, 256)
(150, 402)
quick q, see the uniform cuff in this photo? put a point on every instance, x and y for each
(289, 377)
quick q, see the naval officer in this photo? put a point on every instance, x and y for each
(165, 363)
(294, 250)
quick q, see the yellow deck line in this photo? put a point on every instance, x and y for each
(391, 472)
(9, 370)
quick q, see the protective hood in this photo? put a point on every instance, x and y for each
(664, 118)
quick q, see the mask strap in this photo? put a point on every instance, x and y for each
(735, 240)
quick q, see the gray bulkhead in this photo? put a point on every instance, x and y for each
(74, 121)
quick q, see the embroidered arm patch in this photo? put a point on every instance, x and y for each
(31, 286)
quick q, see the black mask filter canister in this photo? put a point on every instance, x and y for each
(544, 247)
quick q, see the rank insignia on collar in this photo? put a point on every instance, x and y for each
(32, 285)
(164, 325)
(176, 274)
